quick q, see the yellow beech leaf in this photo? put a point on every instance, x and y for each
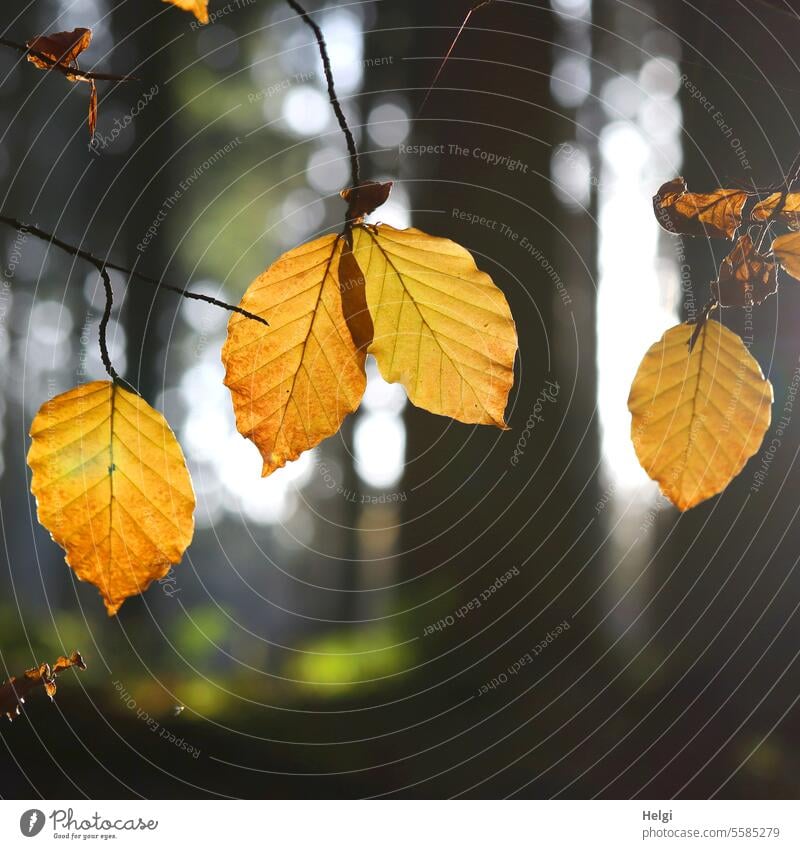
(697, 418)
(199, 7)
(441, 326)
(294, 382)
(112, 487)
(786, 249)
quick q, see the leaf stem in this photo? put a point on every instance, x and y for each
(131, 272)
(337, 108)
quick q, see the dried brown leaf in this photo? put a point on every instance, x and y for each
(92, 110)
(62, 47)
(717, 214)
(746, 277)
(365, 198)
(14, 692)
(353, 289)
(779, 206)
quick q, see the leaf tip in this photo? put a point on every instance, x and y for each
(112, 606)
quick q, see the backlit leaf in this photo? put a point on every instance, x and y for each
(746, 277)
(441, 326)
(786, 249)
(780, 206)
(16, 690)
(112, 487)
(366, 197)
(64, 48)
(697, 418)
(198, 7)
(294, 382)
(716, 214)
(61, 47)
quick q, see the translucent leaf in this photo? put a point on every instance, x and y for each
(697, 418)
(786, 249)
(61, 47)
(716, 214)
(780, 206)
(746, 277)
(112, 487)
(441, 326)
(198, 7)
(293, 383)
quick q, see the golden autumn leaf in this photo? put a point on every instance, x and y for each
(746, 277)
(293, 383)
(698, 417)
(441, 326)
(199, 7)
(716, 214)
(112, 487)
(14, 691)
(781, 206)
(786, 249)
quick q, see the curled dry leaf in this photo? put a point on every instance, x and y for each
(441, 326)
(198, 7)
(14, 691)
(365, 198)
(786, 249)
(293, 383)
(353, 289)
(746, 277)
(781, 206)
(716, 214)
(112, 487)
(92, 108)
(64, 48)
(697, 418)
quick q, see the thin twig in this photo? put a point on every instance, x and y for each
(432, 86)
(55, 65)
(337, 108)
(98, 263)
(785, 187)
(104, 324)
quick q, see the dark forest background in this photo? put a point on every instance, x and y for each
(293, 647)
